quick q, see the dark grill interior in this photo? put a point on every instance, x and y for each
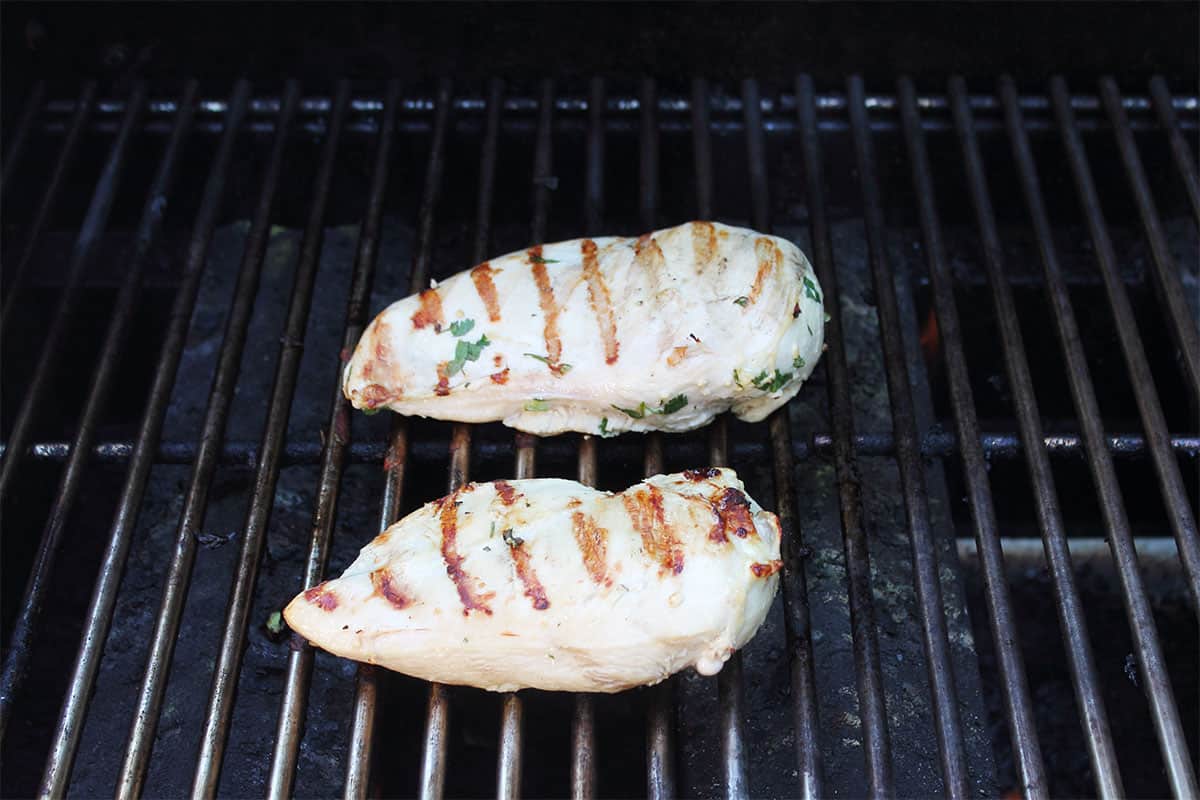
(184, 265)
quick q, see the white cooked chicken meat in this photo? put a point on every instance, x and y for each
(661, 332)
(549, 584)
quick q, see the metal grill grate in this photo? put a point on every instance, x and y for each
(795, 131)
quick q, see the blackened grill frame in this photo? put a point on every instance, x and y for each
(907, 446)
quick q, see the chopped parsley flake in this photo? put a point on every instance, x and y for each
(668, 407)
(604, 431)
(540, 260)
(461, 327)
(765, 382)
(798, 362)
(537, 404)
(636, 413)
(510, 539)
(558, 369)
(737, 379)
(370, 412)
(742, 301)
(465, 351)
(674, 404)
(275, 623)
(810, 289)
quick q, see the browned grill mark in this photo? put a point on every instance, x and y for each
(471, 600)
(481, 276)
(733, 516)
(704, 244)
(322, 597)
(497, 359)
(646, 511)
(430, 312)
(547, 303)
(381, 350)
(387, 588)
(677, 355)
(593, 546)
(795, 310)
(500, 377)
(647, 254)
(601, 302)
(506, 492)
(766, 570)
(698, 475)
(533, 587)
(443, 385)
(770, 258)
(374, 395)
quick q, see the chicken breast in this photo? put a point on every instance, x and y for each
(549, 584)
(661, 332)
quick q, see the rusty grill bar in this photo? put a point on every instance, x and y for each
(802, 117)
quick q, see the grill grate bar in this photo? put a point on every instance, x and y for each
(583, 717)
(20, 136)
(141, 738)
(1016, 694)
(660, 716)
(730, 680)
(867, 657)
(1179, 512)
(100, 609)
(830, 105)
(934, 444)
(854, 541)
(258, 514)
(21, 639)
(1070, 609)
(433, 760)
(795, 583)
(1145, 633)
(979, 489)
(66, 157)
(333, 459)
(925, 568)
(1179, 145)
(92, 228)
(1166, 272)
(508, 767)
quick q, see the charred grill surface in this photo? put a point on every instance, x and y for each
(1005, 422)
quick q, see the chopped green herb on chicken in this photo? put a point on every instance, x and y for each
(465, 351)
(558, 369)
(810, 289)
(461, 327)
(674, 404)
(636, 413)
(768, 383)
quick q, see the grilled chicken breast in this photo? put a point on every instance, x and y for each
(549, 584)
(661, 332)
